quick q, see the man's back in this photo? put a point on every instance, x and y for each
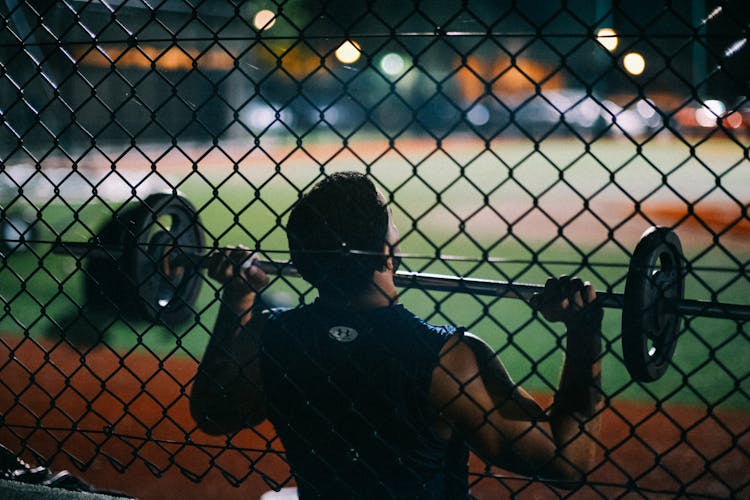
(352, 389)
(348, 392)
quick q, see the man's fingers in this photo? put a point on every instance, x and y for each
(254, 275)
(563, 297)
(217, 266)
(575, 287)
(229, 263)
(589, 293)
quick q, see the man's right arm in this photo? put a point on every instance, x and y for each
(227, 392)
(503, 424)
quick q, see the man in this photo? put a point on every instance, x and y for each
(369, 400)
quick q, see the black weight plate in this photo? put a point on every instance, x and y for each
(650, 326)
(108, 285)
(164, 224)
(162, 284)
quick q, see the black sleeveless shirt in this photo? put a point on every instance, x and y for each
(348, 393)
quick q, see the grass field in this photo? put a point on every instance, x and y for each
(482, 194)
(107, 397)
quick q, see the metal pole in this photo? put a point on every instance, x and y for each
(698, 51)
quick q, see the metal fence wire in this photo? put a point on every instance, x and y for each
(512, 140)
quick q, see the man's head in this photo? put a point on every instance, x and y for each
(338, 234)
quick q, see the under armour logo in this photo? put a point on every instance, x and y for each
(343, 333)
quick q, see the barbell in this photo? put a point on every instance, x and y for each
(145, 260)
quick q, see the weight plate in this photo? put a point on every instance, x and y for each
(108, 285)
(164, 226)
(650, 322)
(137, 281)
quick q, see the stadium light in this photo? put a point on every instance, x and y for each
(478, 115)
(607, 38)
(708, 114)
(634, 63)
(348, 52)
(264, 19)
(392, 64)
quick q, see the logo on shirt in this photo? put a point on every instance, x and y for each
(343, 333)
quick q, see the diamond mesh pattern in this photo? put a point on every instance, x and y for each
(509, 140)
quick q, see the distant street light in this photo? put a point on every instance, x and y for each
(392, 64)
(264, 19)
(607, 38)
(634, 63)
(710, 113)
(348, 52)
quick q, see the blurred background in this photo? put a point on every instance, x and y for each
(513, 140)
(238, 72)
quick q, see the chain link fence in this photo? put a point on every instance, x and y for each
(512, 140)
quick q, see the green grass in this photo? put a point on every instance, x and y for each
(42, 293)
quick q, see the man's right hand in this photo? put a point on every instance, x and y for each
(476, 396)
(234, 269)
(227, 394)
(565, 299)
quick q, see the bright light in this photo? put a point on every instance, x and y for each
(705, 118)
(348, 52)
(707, 115)
(392, 64)
(585, 113)
(261, 117)
(734, 120)
(264, 19)
(645, 108)
(716, 106)
(607, 37)
(478, 115)
(634, 63)
(329, 116)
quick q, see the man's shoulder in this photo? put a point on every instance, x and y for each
(395, 320)
(443, 330)
(414, 333)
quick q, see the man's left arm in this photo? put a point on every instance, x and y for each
(227, 393)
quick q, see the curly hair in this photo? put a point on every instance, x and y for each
(337, 232)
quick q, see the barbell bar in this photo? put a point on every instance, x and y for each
(142, 264)
(434, 282)
(473, 286)
(428, 281)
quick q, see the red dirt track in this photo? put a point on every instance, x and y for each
(43, 399)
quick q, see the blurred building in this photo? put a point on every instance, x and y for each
(76, 74)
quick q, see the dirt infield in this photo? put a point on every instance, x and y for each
(125, 425)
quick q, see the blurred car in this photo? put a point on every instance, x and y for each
(701, 116)
(17, 232)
